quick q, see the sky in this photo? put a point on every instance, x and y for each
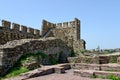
(100, 19)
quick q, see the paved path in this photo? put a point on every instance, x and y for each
(66, 76)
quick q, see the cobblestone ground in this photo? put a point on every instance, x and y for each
(66, 76)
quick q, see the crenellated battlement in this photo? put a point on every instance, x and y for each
(69, 32)
(17, 27)
(71, 24)
(14, 31)
(46, 26)
(16, 40)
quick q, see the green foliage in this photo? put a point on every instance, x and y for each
(18, 68)
(73, 54)
(94, 76)
(113, 59)
(16, 71)
(113, 77)
(52, 60)
(82, 51)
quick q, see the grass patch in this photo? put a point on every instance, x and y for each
(18, 68)
(111, 77)
(16, 71)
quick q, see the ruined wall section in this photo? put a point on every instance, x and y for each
(13, 50)
(46, 26)
(69, 32)
(13, 31)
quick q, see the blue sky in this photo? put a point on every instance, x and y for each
(100, 19)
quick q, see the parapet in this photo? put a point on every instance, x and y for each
(65, 24)
(23, 28)
(36, 31)
(71, 24)
(46, 26)
(16, 26)
(31, 30)
(59, 25)
(6, 24)
(16, 31)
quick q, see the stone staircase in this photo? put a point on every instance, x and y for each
(99, 70)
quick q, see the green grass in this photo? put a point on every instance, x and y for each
(18, 71)
(111, 77)
(18, 68)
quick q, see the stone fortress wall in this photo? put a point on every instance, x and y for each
(16, 32)
(20, 40)
(69, 32)
(13, 50)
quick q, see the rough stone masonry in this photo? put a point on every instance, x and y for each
(54, 38)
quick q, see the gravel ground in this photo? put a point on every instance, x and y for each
(66, 76)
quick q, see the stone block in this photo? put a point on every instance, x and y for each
(6, 24)
(59, 25)
(31, 30)
(16, 26)
(59, 70)
(118, 60)
(36, 31)
(110, 67)
(106, 73)
(23, 28)
(65, 24)
(72, 24)
(84, 73)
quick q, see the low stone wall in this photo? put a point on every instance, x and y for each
(80, 59)
(118, 60)
(13, 50)
(98, 67)
(110, 58)
(101, 59)
(85, 66)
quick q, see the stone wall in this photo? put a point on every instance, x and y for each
(84, 59)
(16, 31)
(109, 58)
(46, 26)
(15, 40)
(13, 50)
(69, 32)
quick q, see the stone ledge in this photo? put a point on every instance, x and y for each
(59, 70)
(106, 73)
(84, 73)
(90, 73)
(110, 67)
(98, 67)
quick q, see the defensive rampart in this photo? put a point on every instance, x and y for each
(16, 32)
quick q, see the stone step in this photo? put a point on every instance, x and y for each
(90, 73)
(59, 70)
(106, 73)
(99, 67)
(84, 73)
(85, 66)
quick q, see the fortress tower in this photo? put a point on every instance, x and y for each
(69, 32)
